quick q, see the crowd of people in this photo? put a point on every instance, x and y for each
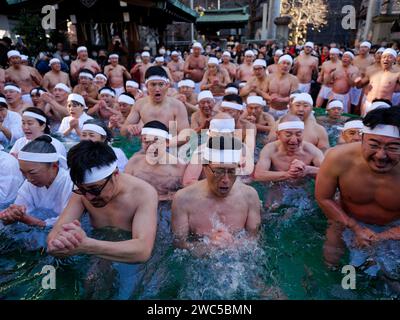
(200, 116)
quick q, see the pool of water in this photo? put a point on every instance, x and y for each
(285, 263)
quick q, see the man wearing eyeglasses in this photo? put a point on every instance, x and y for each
(367, 174)
(157, 106)
(216, 209)
(112, 199)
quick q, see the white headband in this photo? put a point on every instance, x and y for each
(226, 54)
(222, 156)
(366, 44)
(197, 45)
(249, 53)
(54, 60)
(206, 94)
(231, 90)
(24, 57)
(36, 91)
(349, 54)
(174, 53)
(383, 130)
(13, 53)
(159, 59)
(81, 49)
(145, 54)
(156, 132)
(287, 58)
(335, 104)
(222, 125)
(213, 60)
(377, 105)
(114, 55)
(62, 86)
(96, 174)
(38, 157)
(77, 98)
(334, 51)
(381, 50)
(390, 51)
(12, 88)
(309, 44)
(107, 91)
(86, 74)
(291, 125)
(160, 78)
(34, 115)
(355, 124)
(132, 84)
(186, 83)
(123, 98)
(278, 52)
(101, 76)
(255, 100)
(232, 105)
(3, 100)
(259, 63)
(303, 97)
(94, 128)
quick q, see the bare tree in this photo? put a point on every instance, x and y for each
(304, 13)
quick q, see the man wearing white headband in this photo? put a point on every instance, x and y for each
(100, 80)
(160, 61)
(125, 104)
(13, 95)
(116, 74)
(55, 75)
(24, 77)
(314, 133)
(383, 83)
(107, 106)
(187, 96)
(195, 66)
(245, 70)
(83, 62)
(176, 66)
(328, 67)
(193, 208)
(289, 158)
(10, 124)
(132, 87)
(254, 113)
(215, 79)
(47, 186)
(258, 83)
(351, 132)
(156, 106)
(367, 175)
(71, 125)
(305, 66)
(87, 88)
(112, 199)
(154, 164)
(142, 67)
(201, 119)
(274, 67)
(334, 117)
(230, 67)
(343, 79)
(56, 104)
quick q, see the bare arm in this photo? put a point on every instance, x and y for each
(181, 117)
(132, 119)
(192, 174)
(323, 139)
(253, 221)
(263, 168)
(46, 82)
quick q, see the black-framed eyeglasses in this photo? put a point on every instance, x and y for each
(220, 172)
(94, 192)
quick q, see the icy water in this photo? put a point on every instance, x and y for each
(285, 263)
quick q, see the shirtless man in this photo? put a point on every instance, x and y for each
(56, 104)
(2, 79)
(327, 68)
(343, 79)
(83, 62)
(362, 62)
(367, 175)
(112, 199)
(142, 67)
(313, 132)
(160, 61)
(187, 96)
(201, 119)
(156, 106)
(115, 74)
(55, 76)
(280, 86)
(86, 88)
(334, 116)
(154, 164)
(106, 107)
(245, 70)
(14, 100)
(382, 83)
(195, 65)
(352, 131)
(175, 66)
(100, 80)
(215, 79)
(305, 66)
(218, 207)
(132, 87)
(125, 105)
(263, 121)
(228, 65)
(273, 68)
(25, 77)
(258, 83)
(290, 157)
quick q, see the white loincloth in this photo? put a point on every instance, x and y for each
(305, 87)
(325, 92)
(277, 113)
(355, 95)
